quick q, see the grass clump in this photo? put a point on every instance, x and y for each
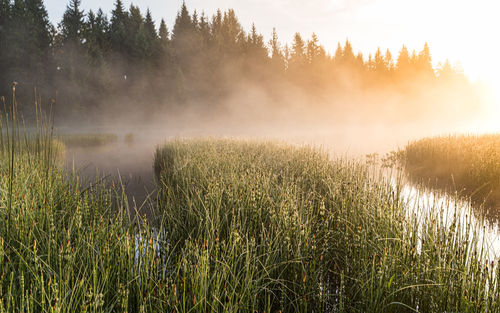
(467, 164)
(87, 140)
(268, 227)
(129, 139)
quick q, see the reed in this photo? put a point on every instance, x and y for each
(273, 227)
(241, 226)
(466, 164)
(87, 140)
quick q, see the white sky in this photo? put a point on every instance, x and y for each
(463, 31)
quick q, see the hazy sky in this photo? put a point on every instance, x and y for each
(464, 31)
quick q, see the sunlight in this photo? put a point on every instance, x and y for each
(249, 156)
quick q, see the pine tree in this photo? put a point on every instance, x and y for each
(26, 41)
(389, 62)
(70, 53)
(96, 37)
(348, 53)
(339, 54)
(216, 27)
(204, 27)
(298, 57)
(313, 49)
(195, 19)
(136, 37)
(118, 27)
(152, 45)
(183, 24)
(379, 62)
(149, 26)
(165, 53)
(403, 62)
(277, 57)
(256, 47)
(17, 35)
(164, 34)
(72, 25)
(298, 48)
(233, 36)
(360, 61)
(424, 61)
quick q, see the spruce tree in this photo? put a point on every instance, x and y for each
(256, 46)
(403, 61)
(424, 61)
(118, 29)
(72, 25)
(313, 49)
(379, 62)
(152, 46)
(389, 62)
(298, 57)
(277, 57)
(183, 24)
(339, 55)
(348, 53)
(298, 48)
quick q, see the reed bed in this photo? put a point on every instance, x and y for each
(240, 227)
(467, 164)
(269, 227)
(87, 140)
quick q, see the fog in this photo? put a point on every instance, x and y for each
(206, 76)
(364, 122)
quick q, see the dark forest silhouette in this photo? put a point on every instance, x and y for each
(93, 62)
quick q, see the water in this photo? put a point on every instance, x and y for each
(130, 164)
(422, 201)
(127, 164)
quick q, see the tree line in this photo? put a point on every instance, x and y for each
(91, 60)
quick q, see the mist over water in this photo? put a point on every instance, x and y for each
(353, 134)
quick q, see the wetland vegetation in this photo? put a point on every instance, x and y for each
(234, 224)
(239, 226)
(87, 140)
(465, 164)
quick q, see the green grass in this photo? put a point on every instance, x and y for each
(87, 140)
(240, 227)
(269, 227)
(469, 165)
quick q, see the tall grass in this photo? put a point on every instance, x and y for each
(268, 227)
(240, 227)
(64, 248)
(469, 165)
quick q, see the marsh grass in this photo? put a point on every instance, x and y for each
(87, 140)
(269, 227)
(467, 164)
(240, 226)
